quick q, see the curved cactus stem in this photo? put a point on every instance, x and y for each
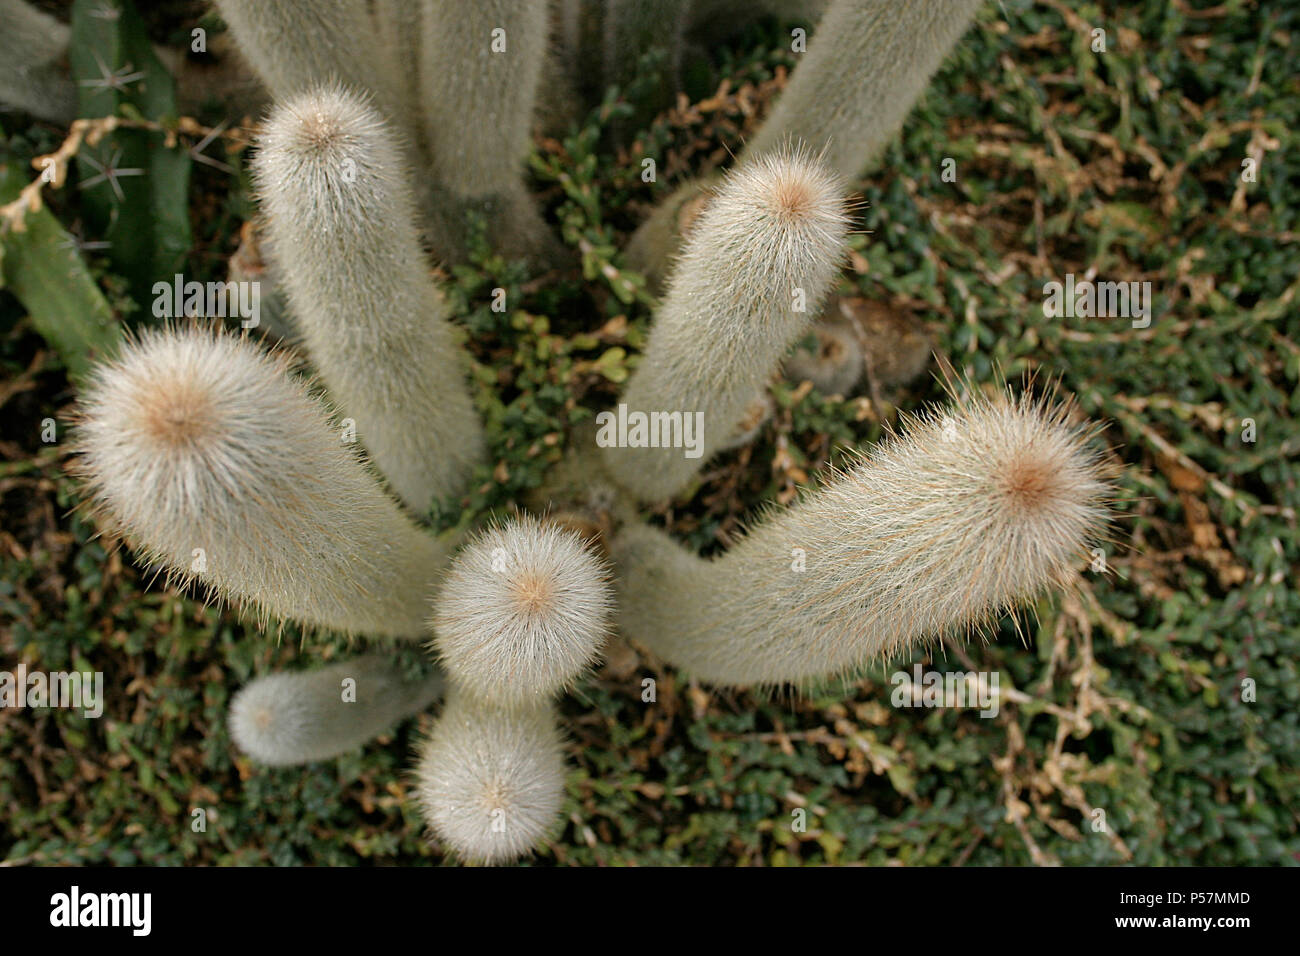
(221, 468)
(971, 513)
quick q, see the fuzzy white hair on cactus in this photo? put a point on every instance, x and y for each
(762, 255)
(294, 718)
(221, 467)
(524, 611)
(969, 514)
(490, 780)
(341, 224)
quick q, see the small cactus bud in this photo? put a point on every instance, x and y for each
(522, 613)
(219, 466)
(761, 256)
(834, 364)
(896, 346)
(341, 227)
(971, 513)
(285, 719)
(490, 781)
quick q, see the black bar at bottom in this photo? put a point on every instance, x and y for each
(332, 906)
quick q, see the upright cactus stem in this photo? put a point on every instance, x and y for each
(221, 468)
(32, 78)
(397, 29)
(297, 45)
(973, 512)
(490, 781)
(285, 719)
(341, 228)
(480, 68)
(523, 612)
(761, 256)
(867, 63)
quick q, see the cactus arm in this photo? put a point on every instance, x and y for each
(972, 513)
(867, 64)
(490, 780)
(220, 467)
(341, 229)
(482, 59)
(760, 258)
(285, 719)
